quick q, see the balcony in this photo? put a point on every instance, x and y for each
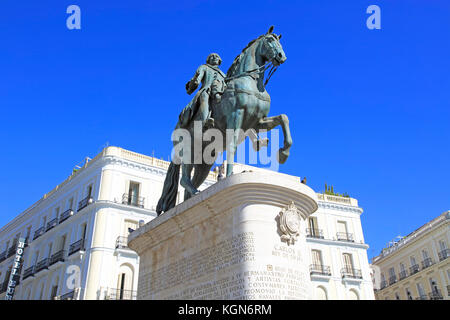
(426, 263)
(403, 274)
(76, 246)
(28, 273)
(351, 273)
(41, 265)
(344, 236)
(392, 280)
(120, 294)
(39, 232)
(2, 256)
(12, 250)
(314, 233)
(318, 269)
(414, 269)
(68, 295)
(84, 203)
(65, 215)
(444, 254)
(121, 242)
(57, 257)
(4, 286)
(132, 200)
(422, 297)
(51, 224)
(436, 295)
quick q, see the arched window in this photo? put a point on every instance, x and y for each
(353, 295)
(321, 293)
(125, 281)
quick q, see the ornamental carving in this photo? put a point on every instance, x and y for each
(289, 223)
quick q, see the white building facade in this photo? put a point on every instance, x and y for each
(77, 235)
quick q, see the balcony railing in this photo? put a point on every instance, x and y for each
(444, 254)
(414, 269)
(392, 280)
(41, 265)
(133, 200)
(51, 224)
(65, 215)
(120, 294)
(403, 274)
(121, 242)
(76, 246)
(68, 295)
(314, 233)
(29, 272)
(4, 286)
(58, 256)
(3, 256)
(84, 203)
(351, 273)
(427, 262)
(38, 233)
(448, 290)
(12, 250)
(436, 295)
(319, 269)
(344, 236)
(422, 297)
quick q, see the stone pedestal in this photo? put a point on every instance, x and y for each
(242, 238)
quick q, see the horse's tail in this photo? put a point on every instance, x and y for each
(169, 194)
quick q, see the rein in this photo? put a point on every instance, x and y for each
(262, 68)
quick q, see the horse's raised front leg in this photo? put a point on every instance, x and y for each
(269, 123)
(234, 122)
(186, 182)
(257, 143)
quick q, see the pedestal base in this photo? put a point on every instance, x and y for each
(242, 238)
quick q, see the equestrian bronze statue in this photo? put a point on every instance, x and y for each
(239, 102)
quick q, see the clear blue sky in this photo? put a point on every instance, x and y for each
(369, 109)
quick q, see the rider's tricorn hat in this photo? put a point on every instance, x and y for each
(212, 55)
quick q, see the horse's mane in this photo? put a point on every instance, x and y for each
(237, 60)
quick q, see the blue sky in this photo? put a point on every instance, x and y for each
(369, 109)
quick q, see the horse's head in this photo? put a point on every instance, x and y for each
(271, 48)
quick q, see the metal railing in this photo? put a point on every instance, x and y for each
(68, 295)
(344, 236)
(51, 224)
(84, 203)
(76, 246)
(12, 250)
(29, 272)
(414, 269)
(120, 294)
(319, 269)
(422, 297)
(3, 256)
(403, 274)
(351, 273)
(121, 242)
(58, 256)
(65, 215)
(427, 262)
(41, 265)
(444, 254)
(38, 233)
(436, 295)
(392, 280)
(314, 233)
(133, 200)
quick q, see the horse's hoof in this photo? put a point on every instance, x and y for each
(282, 156)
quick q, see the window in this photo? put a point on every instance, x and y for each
(348, 262)
(408, 294)
(342, 227)
(70, 204)
(412, 260)
(128, 226)
(54, 292)
(397, 296)
(420, 290)
(57, 212)
(83, 231)
(89, 191)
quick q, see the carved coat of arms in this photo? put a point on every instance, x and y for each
(289, 223)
